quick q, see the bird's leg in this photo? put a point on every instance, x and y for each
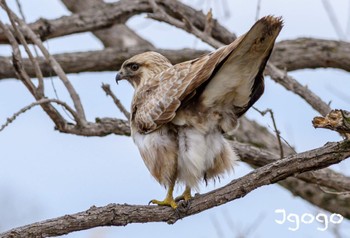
(186, 195)
(169, 200)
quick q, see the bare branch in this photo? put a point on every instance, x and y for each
(306, 185)
(109, 92)
(291, 84)
(34, 62)
(324, 177)
(108, 14)
(311, 53)
(22, 74)
(118, 35)
(161, 15)
(39, 102)
(17, 60)
(291, 55)
(91, 61)
(278, 133)
(19, 6)
(55, 66)
(336, 120)
(121, 215)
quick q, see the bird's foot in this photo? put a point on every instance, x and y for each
(168, 201)
(186, 196)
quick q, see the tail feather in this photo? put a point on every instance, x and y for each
(238, 80)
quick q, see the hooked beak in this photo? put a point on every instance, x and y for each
(118, 77)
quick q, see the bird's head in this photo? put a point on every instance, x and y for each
(141, 68)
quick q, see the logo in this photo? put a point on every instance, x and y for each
(297, 220)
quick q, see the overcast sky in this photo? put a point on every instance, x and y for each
(45, 174)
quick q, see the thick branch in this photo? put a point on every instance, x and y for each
(108, 14)
(91, 61)
(290, 55)
(291, 84)
(118, 35)
(324, 177)
(121, 215)
(309, 53)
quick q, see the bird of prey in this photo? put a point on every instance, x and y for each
(180, 112)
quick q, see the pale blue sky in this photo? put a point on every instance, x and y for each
(45, 174)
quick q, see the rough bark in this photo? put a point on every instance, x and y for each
(112, 58)
(122, 215)
(118, 35)
(290, 55)
(105, 15)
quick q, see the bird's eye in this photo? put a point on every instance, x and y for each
(134, 67)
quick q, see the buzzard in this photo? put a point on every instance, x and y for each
(180, 112)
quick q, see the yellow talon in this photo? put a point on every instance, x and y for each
(168, 201)
(186, 196)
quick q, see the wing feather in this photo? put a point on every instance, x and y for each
(156, 104)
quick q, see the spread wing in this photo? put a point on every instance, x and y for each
(156, 104)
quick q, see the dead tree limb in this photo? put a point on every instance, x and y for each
(121, 215)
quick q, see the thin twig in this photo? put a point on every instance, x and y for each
(160, 15)
(17, 59)
(293, 85)
(278, 133)
(34, 61)
(21, 73)
(39, 75)
(108, 91)
(209, 23)
(41, 101)
(19, 6)
(325, 190)
(55, 66)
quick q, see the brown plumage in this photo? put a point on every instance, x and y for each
(179, 112)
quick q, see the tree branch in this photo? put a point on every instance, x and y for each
(289, 55)
(336, 120)
(289, 83)
(118, 35)
(121, 215)
(39, 102)
(108, 14)
(91, 61)
(53, 63)
(108, 91)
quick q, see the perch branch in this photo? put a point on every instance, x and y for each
(121, 215)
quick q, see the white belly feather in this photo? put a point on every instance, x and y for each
(197, 154)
